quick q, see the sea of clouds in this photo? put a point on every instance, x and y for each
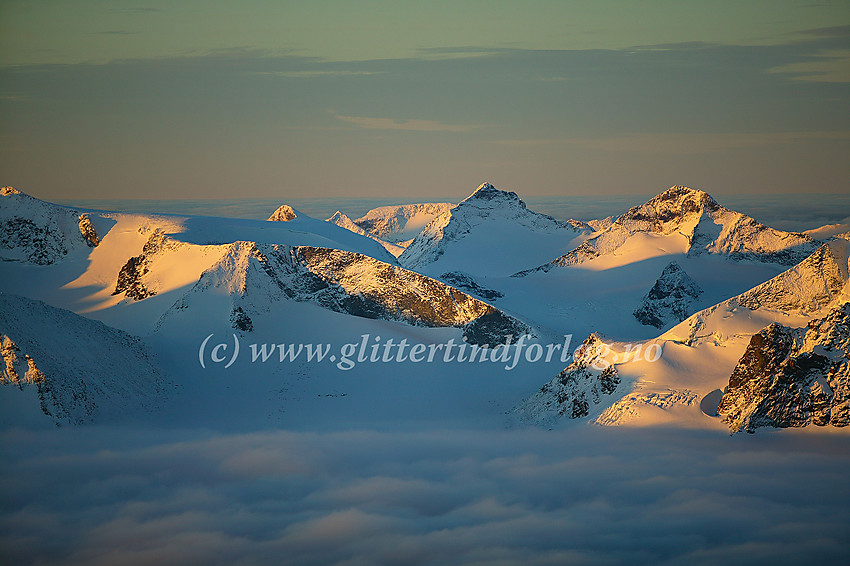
(582, 495)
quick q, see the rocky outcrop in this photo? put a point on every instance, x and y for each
(584, 384)
(467, 283)
(792, 377)
(88, 231)
(284, 213)
(131, 277)
(670, 299)
(40, 232)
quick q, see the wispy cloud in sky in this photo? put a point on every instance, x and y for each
(827, 67)
(319, 73)
(404, 125)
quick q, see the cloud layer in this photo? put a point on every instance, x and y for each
(583, 496)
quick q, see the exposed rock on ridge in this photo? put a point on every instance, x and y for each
(670, 298)
(792, 377)
(582, 385)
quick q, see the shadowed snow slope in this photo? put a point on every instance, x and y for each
(402, 222)
(71, 369)
(343, 221)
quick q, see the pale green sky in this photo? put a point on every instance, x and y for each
(186, 99)
(99, 31)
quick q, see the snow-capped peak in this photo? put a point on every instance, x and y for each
(487, 193)
(284, 213)
(40, 232)
(338, 217)
(670, 207)
(489, 223)
(707, 226)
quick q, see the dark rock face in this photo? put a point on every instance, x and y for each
(465, 282)
(792, 377)
(240, 320)
(39, 232)
(487, 192)
(88, 232)
(258, 274)
(670, 299)
(582, 385)
(130, 278)
(671, 206)
(394, 293)
(44, 244)
(493, 328)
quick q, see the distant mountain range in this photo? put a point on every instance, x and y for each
(737, 312)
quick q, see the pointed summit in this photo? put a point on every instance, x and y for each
(489, 223)
(338, 217)
(669, 299)
(669, 208)
(8, 191)
(487, 193)
(283, 214)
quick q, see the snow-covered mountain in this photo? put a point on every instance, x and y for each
(252, 277)
(40, 232)
(401, 223)
(71, 369)
(491, 232)
(284, 213)
(808, 289)
(176, 279)
(301, 221)
(792, 377)
(343, 221)
(670, 299)
(701, 352)
(702, 225)
(696, 357)
(589, 381)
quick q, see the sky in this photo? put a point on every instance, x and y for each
(160, 100)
